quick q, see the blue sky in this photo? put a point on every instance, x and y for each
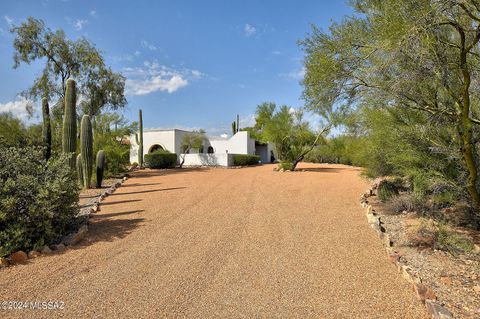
(189, 64)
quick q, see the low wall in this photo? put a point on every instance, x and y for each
(222, 159)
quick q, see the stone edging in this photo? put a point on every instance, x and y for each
(423, 293)
(21, 257)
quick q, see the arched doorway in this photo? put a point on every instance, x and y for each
(210, 150)
(155, 148)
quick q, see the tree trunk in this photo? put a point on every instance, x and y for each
(466, 131)
(182, 162)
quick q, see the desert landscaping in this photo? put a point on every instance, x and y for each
(224, 243)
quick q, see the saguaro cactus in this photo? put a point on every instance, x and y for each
(86, 147)
(46, 128)
(80, 170)
(234, 128)
(139, 138)
(238, 124)
(100, 167)
(69, 140)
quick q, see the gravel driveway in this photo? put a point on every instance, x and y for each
(222, 243)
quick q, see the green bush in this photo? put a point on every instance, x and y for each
(38, 199)
(245, 159)
(285, 165)
(452, 242)
(160, 159)
(387, 189)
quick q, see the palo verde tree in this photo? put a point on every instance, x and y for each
(413, 54)
(288, 131)
(191, 140)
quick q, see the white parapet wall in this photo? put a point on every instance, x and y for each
(222, 159)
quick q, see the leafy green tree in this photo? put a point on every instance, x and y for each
(286, 129)
(13, 132)
(419, 55)
(191, 140)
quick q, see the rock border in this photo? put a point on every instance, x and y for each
(424, 294)
(20, 257)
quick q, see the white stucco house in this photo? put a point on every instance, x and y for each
(215, 151)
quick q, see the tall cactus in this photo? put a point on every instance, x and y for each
(238, 124)
(139, 139)
(234, 128)
(80, 170)
(69, 140)
(46, 129)
(100, 167)
(86, 149)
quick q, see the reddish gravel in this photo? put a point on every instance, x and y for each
(236, 243)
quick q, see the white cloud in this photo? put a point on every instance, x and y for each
(276, 52)
(295, 74)
(137, 53)
(79, 24)
(153, 77)
(17, 108)
(93, 13)
(9, 20)
(147, 45)
(249, 30)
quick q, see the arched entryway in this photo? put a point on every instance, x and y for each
(155, 148)
(210, 150)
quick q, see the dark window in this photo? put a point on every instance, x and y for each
(154, 148)
(210, 150)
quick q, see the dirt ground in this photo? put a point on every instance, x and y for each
(222, 243)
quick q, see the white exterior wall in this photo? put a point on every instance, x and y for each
(240, 143)
(220, 159)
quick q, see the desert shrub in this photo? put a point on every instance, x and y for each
(403, 202)
(160, 159)
(245, 159)
(38, 199)
(452, 242)
(285, 165)
(439, 236)
(387, 189)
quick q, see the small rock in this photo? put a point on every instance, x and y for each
(394, 257)
(476, 289)
(4, 262)
(46, 250)
(476, 248)
(34, 254)
(387, 241)
(446, 280)
(19, 257)
(437, 311)
(79, 235)
(423, 292)
(66, 240)
(369, 209)
(59, 248)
